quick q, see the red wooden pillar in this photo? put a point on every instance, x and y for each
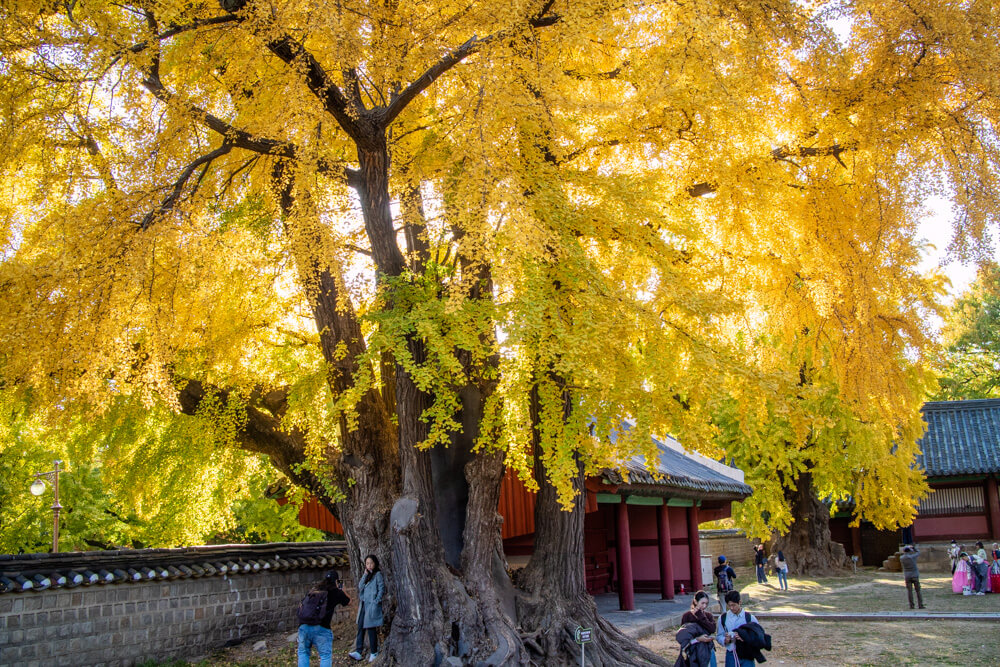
(856, 543)
(663, 546)
(694, 549)
(623, 553)
(993, 507)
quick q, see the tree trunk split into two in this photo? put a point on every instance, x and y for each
(808, 546)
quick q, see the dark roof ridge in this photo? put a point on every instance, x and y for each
(964, 403)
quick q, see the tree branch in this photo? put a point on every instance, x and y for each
(456, 56)
(168, 204)
(319, 82)
(399, 102)
(264, 434)
(238, 138)
(783, 153)
(176, 30)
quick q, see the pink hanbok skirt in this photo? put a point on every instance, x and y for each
(963, 577)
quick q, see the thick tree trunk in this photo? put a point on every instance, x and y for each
(553, 598)
(808, 547)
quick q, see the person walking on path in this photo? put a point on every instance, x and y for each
(760, 560)
(781, 566)
(371, 588)
(315, 614)
(724, 576)
(911, 575)
(732, 619)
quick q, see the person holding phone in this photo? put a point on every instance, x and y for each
(371, 588)
(732, 619)
(315, 614)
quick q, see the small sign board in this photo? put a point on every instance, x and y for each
(583, 635)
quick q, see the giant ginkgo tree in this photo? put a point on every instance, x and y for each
(398, 247)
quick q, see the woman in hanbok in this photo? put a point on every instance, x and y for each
(963, 579)
(995, 570)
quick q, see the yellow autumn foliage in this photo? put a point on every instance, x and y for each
(700, 215)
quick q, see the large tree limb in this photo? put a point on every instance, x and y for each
(321, 85)
(400, 101)
(542, 18)
(263, 433)
(241, 138)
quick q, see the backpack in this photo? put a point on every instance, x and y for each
(313, 608)
(725, 583)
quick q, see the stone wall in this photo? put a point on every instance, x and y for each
(128, 607)
(731, 543)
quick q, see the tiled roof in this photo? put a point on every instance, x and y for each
(963, 438)
(683, 471)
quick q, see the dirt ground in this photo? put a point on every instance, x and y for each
(280, 651)
(832, 644)
(809, 643)
(814, 643)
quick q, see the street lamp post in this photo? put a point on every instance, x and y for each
(38, 488)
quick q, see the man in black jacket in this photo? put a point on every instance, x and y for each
(315, 615)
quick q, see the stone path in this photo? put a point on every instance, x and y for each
(653, 615)
(914, 615)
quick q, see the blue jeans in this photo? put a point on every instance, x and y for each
(319, 636)
(761, 578)
(733, 660)
(783, 580)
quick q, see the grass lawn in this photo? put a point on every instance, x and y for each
(815, 643)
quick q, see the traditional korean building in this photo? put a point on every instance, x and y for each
(641, 528)
(961, 458)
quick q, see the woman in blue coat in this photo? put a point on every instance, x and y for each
(371, 588)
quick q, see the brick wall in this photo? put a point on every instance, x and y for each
(733, 544)
(132, 621)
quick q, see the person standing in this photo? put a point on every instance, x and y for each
(911, 575)
(700, 615)
(995, 569)
(981, 574)
(963, 579)
(732, 619)
(781, 566)
(371, 588)
(315, 614)
(760, 560)
(953, 552)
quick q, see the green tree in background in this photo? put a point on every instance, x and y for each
(971, 367)
(131, 481)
